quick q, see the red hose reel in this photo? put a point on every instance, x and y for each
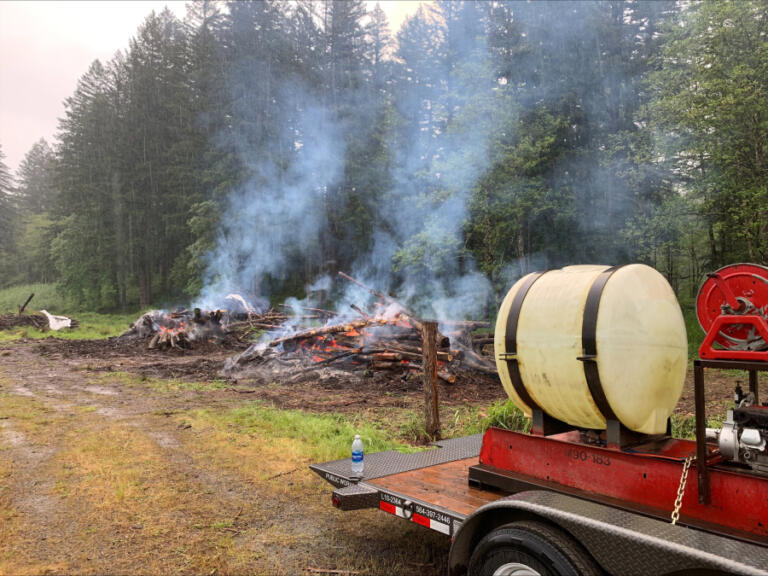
(732, 307)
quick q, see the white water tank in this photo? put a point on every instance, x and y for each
(594, 342)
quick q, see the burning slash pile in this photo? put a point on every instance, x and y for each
(180, 329)
(384, 340)
(388, 339)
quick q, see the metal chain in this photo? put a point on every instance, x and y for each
(681, 490)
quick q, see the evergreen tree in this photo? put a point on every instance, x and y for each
(361, 112)
(36, 176)
(37, 196)
(211, 162)
(379, 48)
(711, 103)
(84, 249)
(160, 149)
(257, 53)
(7, 221)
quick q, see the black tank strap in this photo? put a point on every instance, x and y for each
(589, 343)
(510, 341)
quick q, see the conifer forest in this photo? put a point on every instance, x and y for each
(269, 301)
(263, 146)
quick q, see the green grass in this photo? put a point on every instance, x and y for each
(694, 331)
(176, 385)
(162, 385)
(685, 426)
(322, 436)
(46, 298)
(463, 421)
(93, 326)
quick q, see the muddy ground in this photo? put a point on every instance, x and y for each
(108, 466)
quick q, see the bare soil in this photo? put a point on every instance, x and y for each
(100, 474)
(317, 390)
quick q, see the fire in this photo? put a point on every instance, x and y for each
(179, 329)
(366, 345)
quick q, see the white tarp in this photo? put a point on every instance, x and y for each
(57, 322)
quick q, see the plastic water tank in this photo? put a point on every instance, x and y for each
(594, 342)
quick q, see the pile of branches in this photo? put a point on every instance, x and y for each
(21, 320)
(388, 339)
(10, 321)
(182, 328)
(384, 339)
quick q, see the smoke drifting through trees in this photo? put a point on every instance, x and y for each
(264, 146)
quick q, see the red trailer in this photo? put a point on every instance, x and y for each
(567, 501)
(525, 504)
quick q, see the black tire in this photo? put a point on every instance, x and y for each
(541, 548)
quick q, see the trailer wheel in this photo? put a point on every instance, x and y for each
(530, 549)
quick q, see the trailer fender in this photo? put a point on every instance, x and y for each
(622, 543)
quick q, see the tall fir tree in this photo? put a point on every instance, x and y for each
(36, 175)
(160, 186)
(37, 195)
(7, 222)
(84, 247)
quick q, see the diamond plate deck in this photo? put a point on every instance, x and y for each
(391, 462)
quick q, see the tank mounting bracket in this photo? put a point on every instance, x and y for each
(618, 436)
(542, 424)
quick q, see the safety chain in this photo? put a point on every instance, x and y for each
(681, 490)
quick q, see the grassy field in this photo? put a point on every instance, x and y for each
(46, 298)
(92, 325)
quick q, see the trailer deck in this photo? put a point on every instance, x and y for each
(443, 485)
(429, 487)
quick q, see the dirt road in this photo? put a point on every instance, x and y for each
(108, 471)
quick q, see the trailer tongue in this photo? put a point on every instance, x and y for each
(599, 485)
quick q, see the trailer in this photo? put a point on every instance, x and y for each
(534, 526)
(566, 499)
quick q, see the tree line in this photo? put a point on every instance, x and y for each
(497, 137)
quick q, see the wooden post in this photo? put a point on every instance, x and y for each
(429, 347)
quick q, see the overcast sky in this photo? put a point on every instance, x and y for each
(46, 46)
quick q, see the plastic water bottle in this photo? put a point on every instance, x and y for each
(357, 456)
